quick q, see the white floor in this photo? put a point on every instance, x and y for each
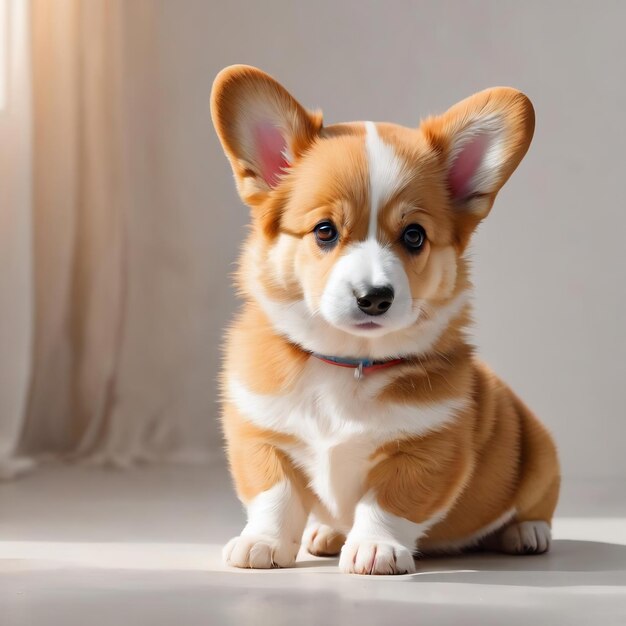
(85, 546)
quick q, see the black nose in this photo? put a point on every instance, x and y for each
(375, 300)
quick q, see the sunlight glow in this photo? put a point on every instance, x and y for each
(134, 555)
(206, 557)
(4, 46)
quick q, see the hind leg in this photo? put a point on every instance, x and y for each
(322, 540)
(529, 532)
(530, 537)
(537, 493)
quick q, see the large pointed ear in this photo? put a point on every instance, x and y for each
(481, 140)
(263, 129)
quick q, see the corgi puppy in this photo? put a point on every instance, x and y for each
(352, 398)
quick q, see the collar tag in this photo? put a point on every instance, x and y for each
(358, 371)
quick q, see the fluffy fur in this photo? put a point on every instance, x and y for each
(432, 454)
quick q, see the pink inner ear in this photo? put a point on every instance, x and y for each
(465, 166)
(270, 148)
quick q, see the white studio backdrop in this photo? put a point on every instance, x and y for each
(549, 262)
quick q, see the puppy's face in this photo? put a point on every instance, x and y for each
(360, 228)
(373, 234)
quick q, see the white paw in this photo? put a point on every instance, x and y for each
(322, 540)
(259, 552)
(526, 538)
(368, 557)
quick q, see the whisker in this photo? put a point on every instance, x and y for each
(443, 356)
(425, 372)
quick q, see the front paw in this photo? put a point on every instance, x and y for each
(370, 557)
(259, 552)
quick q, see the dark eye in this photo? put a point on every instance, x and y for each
(326, 233)
(413, 237)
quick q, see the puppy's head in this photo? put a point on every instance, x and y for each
(359, 229)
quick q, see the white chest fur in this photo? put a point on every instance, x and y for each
(339, 423)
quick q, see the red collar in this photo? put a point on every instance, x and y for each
(360, 366)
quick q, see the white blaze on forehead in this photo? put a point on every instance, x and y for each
(387, 173)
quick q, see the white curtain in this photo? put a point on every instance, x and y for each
(100, 345)
(16, 254)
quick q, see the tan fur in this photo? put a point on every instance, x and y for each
(495, 456)
(257, 461)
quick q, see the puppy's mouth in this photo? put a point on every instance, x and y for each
(368, 326)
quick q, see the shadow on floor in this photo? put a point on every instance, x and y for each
(568, 563)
